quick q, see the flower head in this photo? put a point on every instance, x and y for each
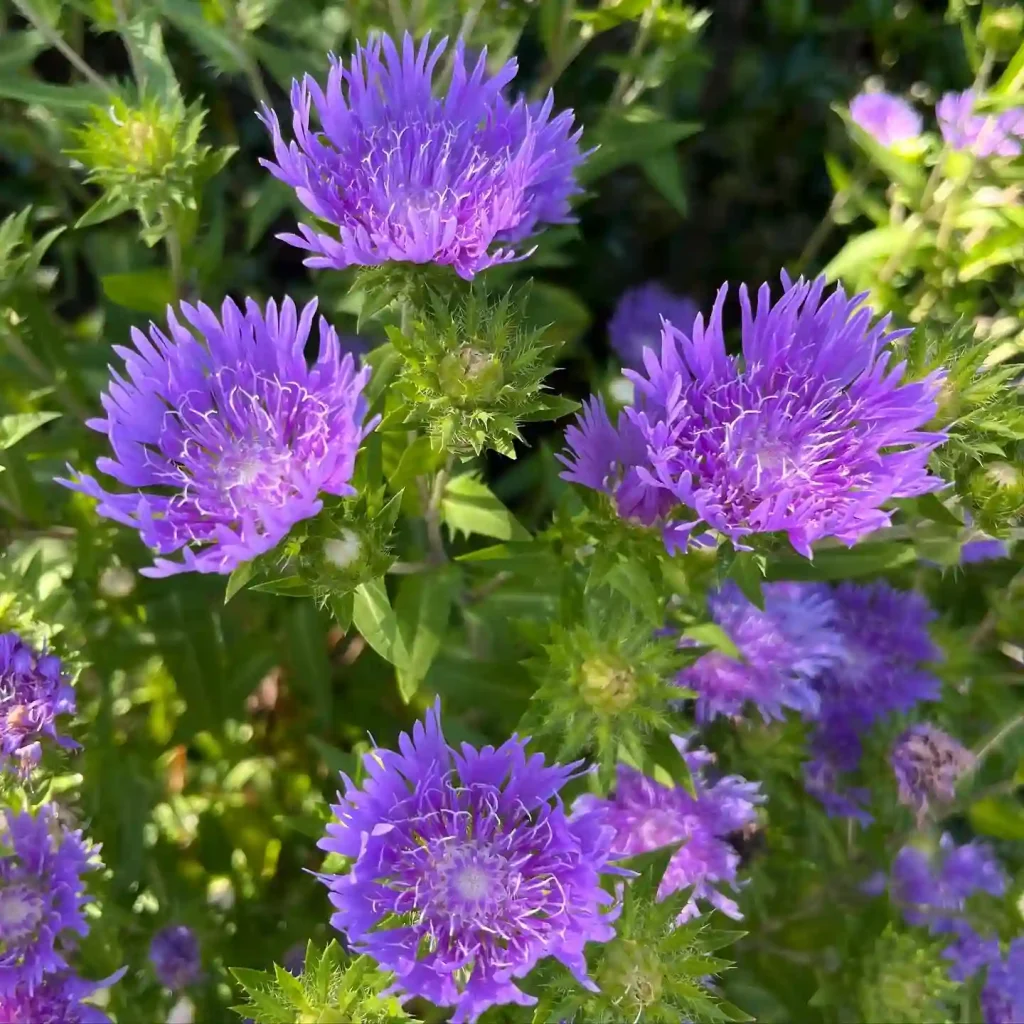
(1002, 999)
(58, 1000)
(889, 119)
(811, 433)
(405, 175)
(784, 648)
(636, 322)
(648, 815)
(33, 692)
(229, 441)
(466, 870)
(928, 762)
(41, 896)
(983, 135)
(983, 549)
(174, 954)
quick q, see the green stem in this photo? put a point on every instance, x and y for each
(173, 240)
(134, 58)
(43, 27)
(625, 82)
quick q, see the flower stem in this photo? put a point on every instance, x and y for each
(173, 240)
(54, 38)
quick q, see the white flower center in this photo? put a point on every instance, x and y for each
(21, 910)
(473, 883)
(342, 551)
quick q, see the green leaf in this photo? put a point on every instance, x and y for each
(839, 563)
(104, 209)
(1001, 817)
(470, 507)
(747, 572)
(422, 608)
(418, 459)
(996, 250)
(311, 666)
(148, 291)
(375, 619)
(284, 586)
(550, 407)
(238, 579)
(78, 99)
(15, 427)
(865, 250)
(341, 609)
(710, 634)
(631, 579)
(19, 49)
(631, 136)
(664, 172)
(932, 507)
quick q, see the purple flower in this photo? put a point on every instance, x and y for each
(889, 119)
(811, 433)
(983, 549)
(932, 890)
(968, 952)
(784, 648)
(405, 175)
(648, 816)
(174, 954)
(1002, 999)
(983, 135)
(636, 322)
(58, 1000)
(228, 441)
(466, 870)
(928, 762)
(41, 896)
(33, 692)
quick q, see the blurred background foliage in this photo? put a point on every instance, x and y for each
(215, 731)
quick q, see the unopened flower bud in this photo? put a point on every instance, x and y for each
(1000, 28)
(607, 686)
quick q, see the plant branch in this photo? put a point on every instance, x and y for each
(43, 27)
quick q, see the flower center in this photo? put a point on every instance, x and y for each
(21, 910)
(470, 883)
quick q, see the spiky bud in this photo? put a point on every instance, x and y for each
(147, 158)
(474, 371)
(604, 684)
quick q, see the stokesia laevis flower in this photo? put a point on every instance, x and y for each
(928, 762)
(889, 119)
(466, 870)
(810, 433)
(784, 647)
(933, 892)
(33, 692)
(41, 896)
(58, 1000)
(983, 135)
(881, 670)
(230, 440)
(402, 174)
(1002, 998)
(636, 322)
(174, 954)
(648, 815)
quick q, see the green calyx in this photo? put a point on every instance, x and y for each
(607, 685)
(631, 975)
(472, 372)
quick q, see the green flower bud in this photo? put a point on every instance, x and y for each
(607, 686)
(905, 980)
(1000, 27)
(604, 684)
(147, 158)
(998, 489)
(472, 371)
(631, 976)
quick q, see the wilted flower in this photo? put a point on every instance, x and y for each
(404, 175)
(889, 119)
(58, 1000)
(41, 896)
(647, 815)
(983, 135)
(33, 692)
(928, 762)
(174, 954)
(636, 322)
(1002, 998)
(811, 433)
(784, 647)
(231, 440)
(466, 870)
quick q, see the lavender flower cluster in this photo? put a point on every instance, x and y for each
(846, 659)
(893, 122)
